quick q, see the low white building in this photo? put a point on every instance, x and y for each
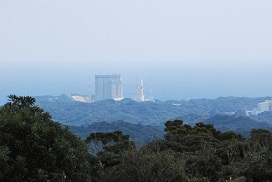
(80, 98)
(265, 106)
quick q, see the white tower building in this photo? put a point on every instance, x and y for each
(108, 87)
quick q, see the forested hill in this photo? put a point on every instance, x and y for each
(140, 134)
(42, 150)
(144, 121)
(69, 112)
(143, 134)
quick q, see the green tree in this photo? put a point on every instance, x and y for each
(35, 148)
(175, 130)
(258, 158)
(109, 146)
(146, 165)
(107, 150)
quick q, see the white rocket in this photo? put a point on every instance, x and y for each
(141, 94)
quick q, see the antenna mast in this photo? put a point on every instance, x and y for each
(151, 98)
(137, 91)
(90, 89)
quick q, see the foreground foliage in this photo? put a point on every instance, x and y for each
(35, 148)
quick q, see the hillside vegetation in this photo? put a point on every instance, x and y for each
(35, 148)
(66, 111)
(144, 121)
(140, 134)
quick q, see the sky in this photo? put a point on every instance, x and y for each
(186, 49)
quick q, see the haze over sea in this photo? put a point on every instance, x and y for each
(187, 48)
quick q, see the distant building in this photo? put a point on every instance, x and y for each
(176, 104)
(249, 113)
(262, 107)
(229, 113)
(80, 98)
(108, 87)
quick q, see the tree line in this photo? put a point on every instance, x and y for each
(35, 148)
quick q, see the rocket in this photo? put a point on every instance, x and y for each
(141, 98)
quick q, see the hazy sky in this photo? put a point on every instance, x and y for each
(188, 48)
